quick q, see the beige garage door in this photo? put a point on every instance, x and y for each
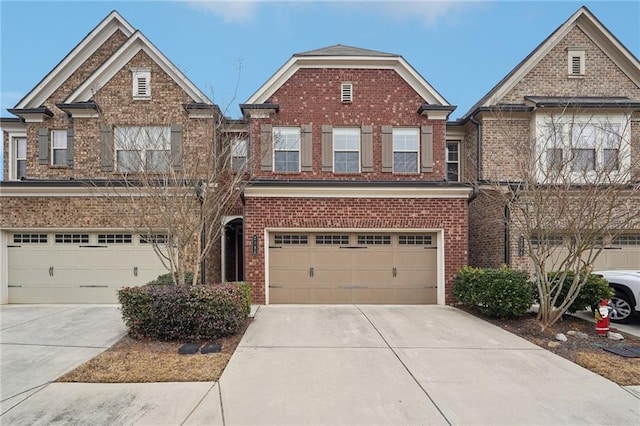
(622, 252)
(78, 267)
(352, 268)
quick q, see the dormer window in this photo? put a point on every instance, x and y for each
(576, 61)
(141, 83)
(347, 92)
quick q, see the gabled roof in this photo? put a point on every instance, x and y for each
(136, 43)
(593, 28)
(340, 56)
(74, 59)
(342, 50)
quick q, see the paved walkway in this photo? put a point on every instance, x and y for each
(357, 365)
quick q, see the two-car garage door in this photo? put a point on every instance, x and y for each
(78, 267)
(352, 267)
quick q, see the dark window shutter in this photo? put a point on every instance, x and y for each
(367, 148)
(306, 148)
(106, 147)
(70, 147)
(327, 147)
(387, 149)
(43, 145)
(176, 146)
(427, 148)
(266, 147)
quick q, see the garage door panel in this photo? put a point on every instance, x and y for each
(378, 270)
(53, 271)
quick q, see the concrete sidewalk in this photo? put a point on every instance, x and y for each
(357, 365)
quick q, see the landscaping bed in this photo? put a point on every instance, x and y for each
(139, 361)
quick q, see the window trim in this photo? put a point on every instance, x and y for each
(357, 130)
(13, 153)
(53, 148)
(394, 150)
(291, 130)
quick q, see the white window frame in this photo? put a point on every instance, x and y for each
(347, 131)
(58, 135)
(564, 138)
(239, 146)
(13, 153)
(142, 146)
(346, 92)
(404, 131)
(447, 161)
(286, 145)
(138, 74)
(580, 54)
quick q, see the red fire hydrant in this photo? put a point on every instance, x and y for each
(602, 318)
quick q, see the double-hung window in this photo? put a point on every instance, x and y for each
(59, 147)
(286, 149)
(20, 158)
(406, 146)
(583, 147)
(346, 150)
(453, 161)
(238, 155)
(611, 148)
(142, 148)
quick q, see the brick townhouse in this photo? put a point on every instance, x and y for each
(361, 190)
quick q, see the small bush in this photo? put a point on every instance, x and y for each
(594, 290)
(167, 312)
(498, 293)
(245, 289)
(167, 279)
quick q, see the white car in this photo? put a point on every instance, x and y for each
(626, 301)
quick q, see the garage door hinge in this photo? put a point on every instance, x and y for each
(92, 246)
(10, 246)
(353, 248)
(613, 248)
(11, 286)
(93, 286)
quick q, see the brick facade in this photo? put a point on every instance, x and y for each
(381, 97)
(449, 215)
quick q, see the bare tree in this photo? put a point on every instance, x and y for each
(175, 183)
(572, 189)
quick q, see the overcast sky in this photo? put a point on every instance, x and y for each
(229, 49)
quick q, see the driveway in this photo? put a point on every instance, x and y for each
(353, 365)
(42, 342)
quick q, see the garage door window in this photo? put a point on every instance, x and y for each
(72, 238)
(114, 239)
(290, 239)
(626, 240)
(30, 238)
(332, 239)
(415, 240)
(154, 239)
(374, 240)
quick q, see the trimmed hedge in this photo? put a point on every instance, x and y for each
(170, 312)
(595, 289)
(497, 293)
(167, 279)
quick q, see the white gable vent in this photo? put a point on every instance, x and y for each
(347, 92)
(576, 61)
(141, 83)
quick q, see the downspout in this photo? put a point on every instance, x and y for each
(507, 236)
(478, 146)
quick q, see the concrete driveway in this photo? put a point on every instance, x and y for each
(406, 365)
(357, 365)
(42, 342)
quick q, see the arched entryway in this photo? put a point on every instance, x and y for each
(233, 262)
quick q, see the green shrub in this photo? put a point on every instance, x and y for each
(498, 293)
(594, 290)
(167, 312)
(245, 289)
(167, 279)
